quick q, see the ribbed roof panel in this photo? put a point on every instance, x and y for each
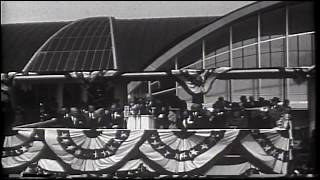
(83, 45)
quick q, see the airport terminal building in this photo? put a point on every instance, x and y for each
(262, 35)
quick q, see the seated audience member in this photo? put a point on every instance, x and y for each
(100, 120)
(285, 108)
(108, 119)
(142, 107)
(76, 120)
(218, 118)
(221, 104)
(262, 121)
(262, 102)
(252, 103)
(62, 115)
(198, 117)
(243, 101)
(274, 103)
(237, 119)
(116, 116)
(90, 117)
(149, 104)
(133, 107)
(162, 118)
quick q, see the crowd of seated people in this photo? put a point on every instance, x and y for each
(247, 114)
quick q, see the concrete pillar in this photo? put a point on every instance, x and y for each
(312, 104)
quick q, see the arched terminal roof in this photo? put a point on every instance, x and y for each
(84, 45)
(74, 46)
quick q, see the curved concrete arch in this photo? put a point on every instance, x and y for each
(224, 20)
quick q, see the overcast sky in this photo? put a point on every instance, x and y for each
(35, 11)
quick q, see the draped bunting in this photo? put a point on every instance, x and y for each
(20, 149)
(199, 83)
(85, 153)
(88, 77)
(158, 151)
(183, 154)
(269, 147)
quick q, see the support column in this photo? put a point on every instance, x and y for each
(59, 95)
(259, 54)
(149, 88)
(230, 63)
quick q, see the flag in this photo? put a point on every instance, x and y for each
(199, 83)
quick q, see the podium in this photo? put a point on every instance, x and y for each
(140, 122)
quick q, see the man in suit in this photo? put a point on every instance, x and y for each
(76, 120)
(63, 115)
(117, 116)
(100, 120)
(90, 117)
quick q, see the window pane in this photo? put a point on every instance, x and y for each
(273, 24)
(250, 61)
(297, 92)
(271, 88)
(190, 55)
(218, 40)
(220, 88)
(245, 30)
(243, 88)
(301, 17)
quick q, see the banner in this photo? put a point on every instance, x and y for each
(170, 152)
(269, 147)
(182, 152)
(102, 150)
(20, 149)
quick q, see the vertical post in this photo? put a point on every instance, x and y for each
(230, 63)
(259, 54)
(114, 54)
(176, 67)
(286, 81)
(203, 62)
(60, 95)
(149, 88)
(203, 54)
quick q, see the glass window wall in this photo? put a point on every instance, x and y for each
(217, 43)
(273, 24)
(301, 17)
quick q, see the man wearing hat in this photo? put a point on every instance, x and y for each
(198, 118)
